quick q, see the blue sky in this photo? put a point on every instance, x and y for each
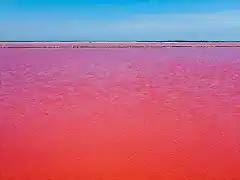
(119, 20)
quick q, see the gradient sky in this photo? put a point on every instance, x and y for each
(119, 20)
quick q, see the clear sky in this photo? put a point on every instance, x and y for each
(119, 20)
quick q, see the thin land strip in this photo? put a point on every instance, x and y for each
(70, 45)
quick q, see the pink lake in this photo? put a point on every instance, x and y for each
(120, 114)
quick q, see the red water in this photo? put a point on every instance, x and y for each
(120, 114)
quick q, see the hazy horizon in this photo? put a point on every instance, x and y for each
(103, 41)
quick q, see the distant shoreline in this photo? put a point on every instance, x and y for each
(176, 41)
(66, 45)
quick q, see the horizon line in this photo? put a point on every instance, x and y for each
(118, 41)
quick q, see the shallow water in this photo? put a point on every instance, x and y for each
(170, 113)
